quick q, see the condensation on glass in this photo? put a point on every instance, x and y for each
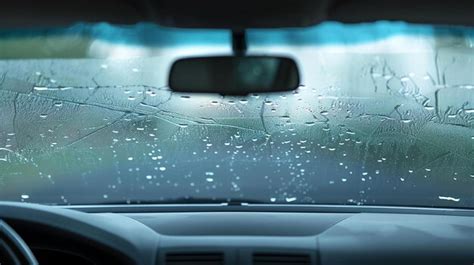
(369, 125)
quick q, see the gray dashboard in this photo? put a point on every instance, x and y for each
(243, 235)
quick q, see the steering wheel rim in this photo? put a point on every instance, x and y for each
(14, 245)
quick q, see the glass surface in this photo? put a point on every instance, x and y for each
(384, 116)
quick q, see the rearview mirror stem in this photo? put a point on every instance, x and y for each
(239, 42)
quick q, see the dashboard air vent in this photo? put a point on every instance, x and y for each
(281, 259)
(195, 258)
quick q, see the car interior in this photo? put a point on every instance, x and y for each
(129, 137)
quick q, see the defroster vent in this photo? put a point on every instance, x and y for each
(195, 258)
(281, 259)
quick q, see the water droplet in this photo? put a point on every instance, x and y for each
(131, 98)
(324, 113)
(149, 177)
(40, 88)
(447, 198)
(209, 179)
(291, 199)
(309, 123)
(209, 173)
(25, 196)
(468, 86)
(162, 168)
(376, 75)
(58, 104)
(43, 116)
(427, 107)
(273, 199)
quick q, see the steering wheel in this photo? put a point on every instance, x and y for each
(13, 250)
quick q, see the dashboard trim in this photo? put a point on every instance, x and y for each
(169, 208)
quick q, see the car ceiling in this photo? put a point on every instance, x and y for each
(237, 14)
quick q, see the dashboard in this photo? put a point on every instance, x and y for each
(242, 234)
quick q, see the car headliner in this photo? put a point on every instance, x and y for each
(228, 14)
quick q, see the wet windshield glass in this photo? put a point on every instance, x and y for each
(384, 116)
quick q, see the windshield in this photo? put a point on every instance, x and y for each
(384, 116)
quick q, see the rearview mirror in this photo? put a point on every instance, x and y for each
(234, 75)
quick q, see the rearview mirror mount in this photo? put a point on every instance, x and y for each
(234, 75)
